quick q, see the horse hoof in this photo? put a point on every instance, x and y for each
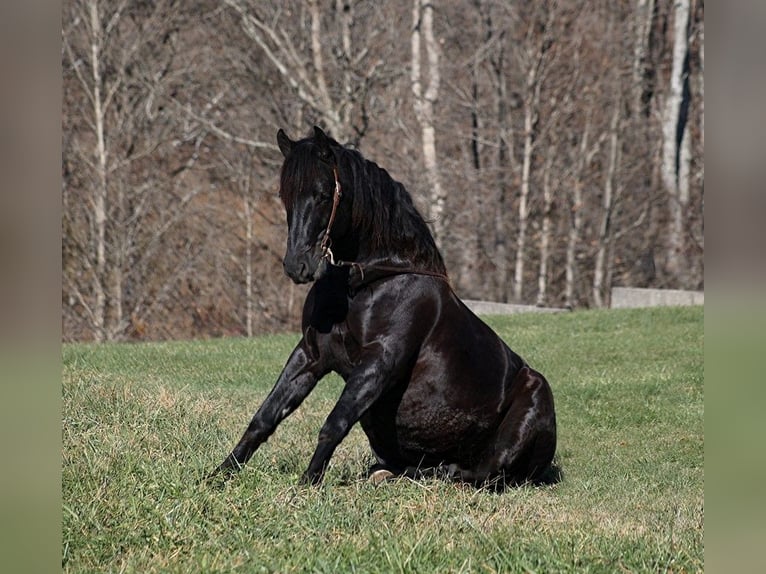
(380, 475)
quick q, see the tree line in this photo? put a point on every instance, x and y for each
(555, 147)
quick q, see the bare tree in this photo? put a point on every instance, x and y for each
(675, 137)
(493, 145)
(545, 232)
(423, 102)
(644, 14)
(118, 61)
(534, 58)
(586, 151)
(605, 230)
(276, 30)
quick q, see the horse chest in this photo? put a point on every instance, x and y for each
(336, 349)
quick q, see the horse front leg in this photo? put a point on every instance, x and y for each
(365, 385)
(299, 376)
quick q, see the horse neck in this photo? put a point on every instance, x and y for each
(399, 237)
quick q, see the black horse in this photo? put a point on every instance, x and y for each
(434, 388)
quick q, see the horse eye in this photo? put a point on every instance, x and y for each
(324, 197)
(322, 193)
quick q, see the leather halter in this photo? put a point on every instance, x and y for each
(326, 240)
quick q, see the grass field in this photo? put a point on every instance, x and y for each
(143, 422)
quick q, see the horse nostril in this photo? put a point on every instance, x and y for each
(296, 268)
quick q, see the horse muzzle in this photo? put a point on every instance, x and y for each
(304, 267)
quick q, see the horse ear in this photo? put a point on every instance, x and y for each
(286, 145)
(323, 143)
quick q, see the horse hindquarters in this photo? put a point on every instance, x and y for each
(525, 442)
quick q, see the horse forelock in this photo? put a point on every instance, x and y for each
(299, 170)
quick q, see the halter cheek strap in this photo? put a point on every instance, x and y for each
(326, 240)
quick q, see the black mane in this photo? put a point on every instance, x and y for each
(383, 213)
(383, 218)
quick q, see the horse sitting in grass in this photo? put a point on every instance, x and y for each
(433, 387)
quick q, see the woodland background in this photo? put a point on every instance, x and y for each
(556, 147)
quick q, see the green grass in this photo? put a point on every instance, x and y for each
(143, 422)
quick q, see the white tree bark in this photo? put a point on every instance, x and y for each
(675, 149)
(700, 235)
(306, 78)
(100, 190)
(607, 206)
(248, 214)
(573, 239)
(531, 103)
(545, 232)
(424, 100)
(701, 77)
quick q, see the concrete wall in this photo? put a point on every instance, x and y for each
(492, 308)
(623, 297)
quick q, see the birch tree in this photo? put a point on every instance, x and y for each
(493, 135)
(92, 83)
(675, 137)
(545, 232)
(425, 96)
(85, 43)
(608, 198)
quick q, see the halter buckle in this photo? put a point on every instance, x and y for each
(328, 255)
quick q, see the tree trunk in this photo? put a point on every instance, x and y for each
(573, 239)
(530, 116)
(248, 261)
(701, 77)
(501, 232)
(643, 22)
(674, 173)
(307, 80)
(545, 233)
(101, 189)
(576, 222)
(504, 165)
(424, 100)
(330, 113)
(607, 206)
(700, 230)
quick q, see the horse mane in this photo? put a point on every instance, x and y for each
(384, 214)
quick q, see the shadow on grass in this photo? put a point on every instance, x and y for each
(550, 477)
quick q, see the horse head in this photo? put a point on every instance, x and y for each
(311, 193)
